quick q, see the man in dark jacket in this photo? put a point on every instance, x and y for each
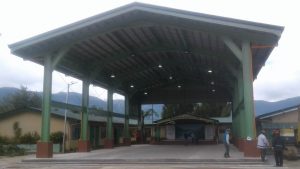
(278, 146)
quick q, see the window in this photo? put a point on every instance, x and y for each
(102, 132)
(75, 132)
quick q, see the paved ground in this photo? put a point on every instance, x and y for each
(146, 157)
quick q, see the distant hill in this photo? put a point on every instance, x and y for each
(74, 98)
(261, 106)
(4, 91)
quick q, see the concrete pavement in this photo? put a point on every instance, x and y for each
(146, 157)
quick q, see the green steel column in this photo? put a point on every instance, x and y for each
(241, 106)
(157, 133)
(140, 122)
(109, 127)
(84, 112)
(248, 90)
(235, 127)
(46, 99)
(126, 125)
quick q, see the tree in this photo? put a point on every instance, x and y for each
(200, 109)
(168, 111)
(22, 98)
(17, 132)
(148, 113)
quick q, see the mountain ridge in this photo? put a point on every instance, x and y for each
(261, 106)
(74, 98)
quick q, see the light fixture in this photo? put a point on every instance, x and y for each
(212, 82)
(145, 93)
(170, 77)
(186, 52)
(213, 90)
(209, 71)
(179, 86)
(112, 75)
(131, 86)
(160, 66)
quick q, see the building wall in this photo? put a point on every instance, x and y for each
(290, 117)
(31, 122)
(163, 132)
(28, 122)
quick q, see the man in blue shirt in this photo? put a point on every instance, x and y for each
(226, 143)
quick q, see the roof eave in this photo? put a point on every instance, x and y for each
(259, 27)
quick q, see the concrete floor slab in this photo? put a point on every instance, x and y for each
(146, 151)
(164, 156)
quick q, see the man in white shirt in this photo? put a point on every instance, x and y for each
(262, 144)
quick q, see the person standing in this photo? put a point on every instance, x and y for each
(262, 144)
(186, 139)
(193, 137)
(278, 146)
(226, 143)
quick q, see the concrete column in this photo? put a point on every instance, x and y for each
(127, 138)
(44, 147)
(109, 141)
(84, 143)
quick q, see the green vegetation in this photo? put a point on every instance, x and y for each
(8, 146)
(149, 112)
(29, 138)
(201, 109)
(57, 137)
(4, 140)
(19, 99)
(11, 150)
(17, 132)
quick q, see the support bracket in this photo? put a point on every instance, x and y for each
(233, 48)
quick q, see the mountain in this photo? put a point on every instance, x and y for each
(74, 98)
(261, 106)
(4, 91)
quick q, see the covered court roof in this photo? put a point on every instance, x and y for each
(165, 53)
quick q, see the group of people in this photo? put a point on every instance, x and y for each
(277, 145)
(263, 144)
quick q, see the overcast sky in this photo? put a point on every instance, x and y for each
(278, 79)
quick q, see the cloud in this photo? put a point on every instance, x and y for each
(278, 81)
(16, 72)
(280, 78)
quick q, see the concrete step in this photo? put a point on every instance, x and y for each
(146, 161)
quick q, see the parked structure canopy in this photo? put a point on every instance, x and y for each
(131, 42)
(155, 54)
